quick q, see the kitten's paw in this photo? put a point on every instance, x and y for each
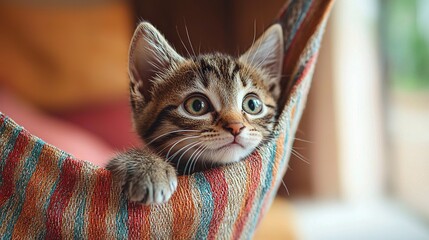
(154, 186)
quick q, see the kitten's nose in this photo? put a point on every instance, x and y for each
(234, 128)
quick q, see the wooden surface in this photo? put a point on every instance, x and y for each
(279, 223)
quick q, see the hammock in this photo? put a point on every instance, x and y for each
(47, 193)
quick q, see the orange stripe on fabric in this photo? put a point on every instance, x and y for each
(253, 167)
(280, 148)
(60, 198)
(99, 205)
(138, 221)
(219, 187)
(92, 179)
(114, 207)
(32, 218)
(182, 219)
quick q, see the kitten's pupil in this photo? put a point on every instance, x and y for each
(252, 105)
(197, 105)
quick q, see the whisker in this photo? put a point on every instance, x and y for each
(253, 42)
(199, 73)
(197, 158)
(179, 141)
(189, 148)
(176, 131)
(178, 151)
(191, 157)
(302, 140)
(194, 159)
(189, 40)
(299, 156)
(284, 185)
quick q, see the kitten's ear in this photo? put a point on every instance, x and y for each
(267, 53)
(149, 55)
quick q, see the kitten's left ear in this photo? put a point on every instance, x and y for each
(267, 53)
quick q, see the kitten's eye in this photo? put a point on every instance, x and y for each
(197, 105)
(252, 104)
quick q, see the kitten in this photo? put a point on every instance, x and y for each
(211, 109)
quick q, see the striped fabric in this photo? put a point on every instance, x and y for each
(46, 193)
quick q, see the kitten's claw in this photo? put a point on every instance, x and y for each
(154, 186)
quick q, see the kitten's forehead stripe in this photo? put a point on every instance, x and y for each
(236, 74)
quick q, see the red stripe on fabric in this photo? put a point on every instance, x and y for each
(138, 221)
(291, 57)
(7, 187)
(61, 197)
(219, 187)
(99, 205)
(307, 68)
(2, 118)
(253, 167)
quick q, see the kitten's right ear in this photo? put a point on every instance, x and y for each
(149, 55)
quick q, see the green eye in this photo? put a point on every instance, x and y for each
(197, 105)
(252, 104)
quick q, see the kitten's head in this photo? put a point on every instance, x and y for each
(214, 108)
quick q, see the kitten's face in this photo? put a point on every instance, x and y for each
(211, 108)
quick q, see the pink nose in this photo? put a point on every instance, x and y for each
(234, 128)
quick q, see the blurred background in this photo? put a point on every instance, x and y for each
(360, 164)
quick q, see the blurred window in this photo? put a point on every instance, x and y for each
(405, 45)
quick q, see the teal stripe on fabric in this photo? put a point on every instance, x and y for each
(21, 186)
(80, 216)
(295, 28)
(122, 219)
(81, 206)
(207, 205)
(9, 147)
(297, 108)
(3, 125)
(61, 160)
(266, 186)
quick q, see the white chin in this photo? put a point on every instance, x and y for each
(227, 154)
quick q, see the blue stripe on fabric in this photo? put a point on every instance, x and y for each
(122, 219)
(207, 205)
(61, 160)
(80, 217)
(266, 186)
(21, 186)
(295, 27)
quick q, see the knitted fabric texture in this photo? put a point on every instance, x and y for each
(46, 193)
